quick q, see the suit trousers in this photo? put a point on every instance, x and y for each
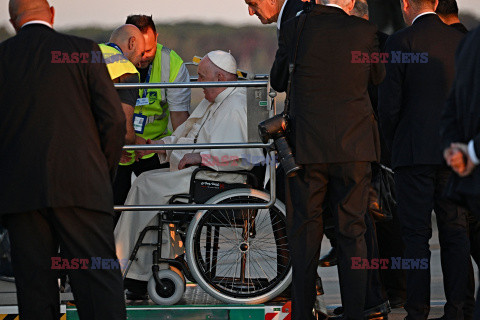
(420, 190)
(390, 243)
(347, 185)
(472, 202)
(35, 238)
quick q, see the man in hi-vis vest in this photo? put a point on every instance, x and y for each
(121, 54)
(154, 106)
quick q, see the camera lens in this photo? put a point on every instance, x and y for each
(286, 157)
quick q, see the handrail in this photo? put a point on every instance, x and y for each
(267, 146)
(265, 205)
(173, 85)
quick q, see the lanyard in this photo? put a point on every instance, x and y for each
(113, 45)
(147, 80)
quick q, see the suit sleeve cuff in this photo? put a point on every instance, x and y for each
(472, 154)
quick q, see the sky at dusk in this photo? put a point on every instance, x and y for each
(111, 13)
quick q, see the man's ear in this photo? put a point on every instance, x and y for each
(14, 25)
(221, 76)
(131, 43)
(156, 37)
(350, 6)
(436, 5)
(52, 11)
(405, 5)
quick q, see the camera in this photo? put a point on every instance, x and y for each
(275, 128)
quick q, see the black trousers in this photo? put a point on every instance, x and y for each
(390, 244)
(473, 204)
(347, 184)
(375, 294)
(35, 238)
(419, 190)
(123, 179)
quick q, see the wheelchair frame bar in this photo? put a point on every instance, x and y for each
(175, 85)
(267, 146)
(265, 205)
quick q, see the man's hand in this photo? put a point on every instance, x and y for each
(189, 159)
(126, 157)
(141, 153)
(455, 158)
(468, 165)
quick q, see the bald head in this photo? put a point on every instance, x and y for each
(130, 39)
(23, 11)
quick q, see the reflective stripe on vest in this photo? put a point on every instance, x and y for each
(165, 62)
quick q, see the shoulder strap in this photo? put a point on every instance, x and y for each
(291, 67)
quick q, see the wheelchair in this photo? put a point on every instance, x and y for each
(238, 256)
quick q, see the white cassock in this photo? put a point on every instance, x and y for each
(224, 121)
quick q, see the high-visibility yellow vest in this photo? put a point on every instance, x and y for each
(116, 62)
(117, 66)
(164, 68)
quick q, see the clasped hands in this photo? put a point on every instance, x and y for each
(188, 160)
(458, 159)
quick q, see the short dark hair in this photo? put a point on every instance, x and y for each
(447, 7)
(420, 3)
(142, 22)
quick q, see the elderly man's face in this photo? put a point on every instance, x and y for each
(266, 10)
(206, 73)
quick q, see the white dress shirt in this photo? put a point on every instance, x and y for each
(38, 22)
(422, 14)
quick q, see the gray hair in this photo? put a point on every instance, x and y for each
(341, 3)
(361, 9)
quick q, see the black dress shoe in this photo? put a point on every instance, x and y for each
(330, 259)
(378, 312)
(396, 302)
(135, 296)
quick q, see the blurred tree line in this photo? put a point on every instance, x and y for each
(253, 46)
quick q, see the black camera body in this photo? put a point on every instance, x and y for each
(275, 128)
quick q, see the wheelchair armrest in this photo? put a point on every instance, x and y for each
(184, 196)
(248, 174)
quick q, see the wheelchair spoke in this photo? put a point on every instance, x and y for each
(226, 272)
(226, 239)
(233, 229)
(224, 255)
(270, 241)
(262, 253)
(261, 269)
(272, 225)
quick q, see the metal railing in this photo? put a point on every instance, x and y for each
(267, 146)
(175, 85)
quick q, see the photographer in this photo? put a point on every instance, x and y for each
(334, 137)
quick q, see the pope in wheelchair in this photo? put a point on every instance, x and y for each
(220, 117)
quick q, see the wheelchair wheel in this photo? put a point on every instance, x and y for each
(240, 255)
(173, 290)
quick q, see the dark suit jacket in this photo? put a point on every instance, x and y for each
(331, 115)
(412, 97)
(290, 11)
(62, 125)
(460, 27)
(386, 156)
(461, 118)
